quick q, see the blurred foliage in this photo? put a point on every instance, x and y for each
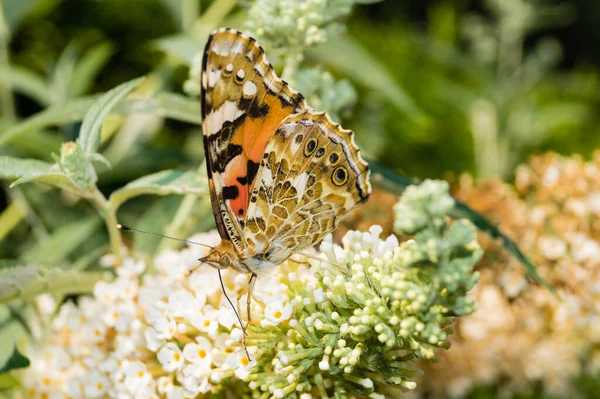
(429, 87)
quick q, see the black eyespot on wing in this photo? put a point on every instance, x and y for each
(310, 147)
(299, 138)
(320, 152)
(333, 158)
(339, 176)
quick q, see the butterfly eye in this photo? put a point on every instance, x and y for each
(320, 152)
(228, 69)
(340, 176)
(311, 144)
(333, 158)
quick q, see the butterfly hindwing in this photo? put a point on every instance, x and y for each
(243, 103)
(311, 174)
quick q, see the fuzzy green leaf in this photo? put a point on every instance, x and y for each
(161, 183)
(72, 111)
(88, 68)
(26, 82)
(89, 135)
(56, 179)
(63, 241)
(16, 361)
(15, 168)
(27, 281)
(345, 55)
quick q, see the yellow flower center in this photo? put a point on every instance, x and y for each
(140, 374)
(207, 323)
(244, 361)
(99, 386)
(277, 314)
(176, 357)
(202, 353)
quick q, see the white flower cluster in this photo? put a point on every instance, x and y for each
(166, 334)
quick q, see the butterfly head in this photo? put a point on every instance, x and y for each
(221, 257)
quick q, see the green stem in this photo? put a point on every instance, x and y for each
(6, 96)
(109, 215)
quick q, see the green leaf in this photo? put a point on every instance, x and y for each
(16, 361)
(88, 68)
(169, 105)
(8, 381)
(11, 218)
(56, 115)
(156, 218)
(63, 241)
(27, 281)
(345, 55)
(396, 183)
(161, 183)
(56, 179)
(14, 168)
(89, 135)
(462, 210)
(26, 82)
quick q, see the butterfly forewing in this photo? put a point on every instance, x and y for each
(243, 103)
(280, 174)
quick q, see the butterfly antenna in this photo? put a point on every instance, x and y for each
(125, 228)
(236, 314)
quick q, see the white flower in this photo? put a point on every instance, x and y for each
(131, 268)
(207, 321)
(226, 316)
(94, 331)
(96, 384)
(553, 248)
(170, 357)
(276, 312)
(153, 341)
(181, 303)
(165, 385)
(199, 353)
(137, 376)
(239, 362)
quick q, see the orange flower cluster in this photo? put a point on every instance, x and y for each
(522, 334)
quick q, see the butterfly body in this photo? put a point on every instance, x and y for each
(280, 174)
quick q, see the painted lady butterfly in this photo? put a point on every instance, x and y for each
(281, 175)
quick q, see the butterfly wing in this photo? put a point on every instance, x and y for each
(310, 175)
(243, 103)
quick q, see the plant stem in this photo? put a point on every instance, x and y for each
(110, 219)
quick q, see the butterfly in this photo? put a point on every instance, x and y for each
(280, 174)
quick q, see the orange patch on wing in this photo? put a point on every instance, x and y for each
(237, 168)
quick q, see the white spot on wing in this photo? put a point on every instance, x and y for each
(229, 68)
(249, 88)
(241, 74)
(260, 69)
(237, 47)
(215, 120)
(213, 76)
